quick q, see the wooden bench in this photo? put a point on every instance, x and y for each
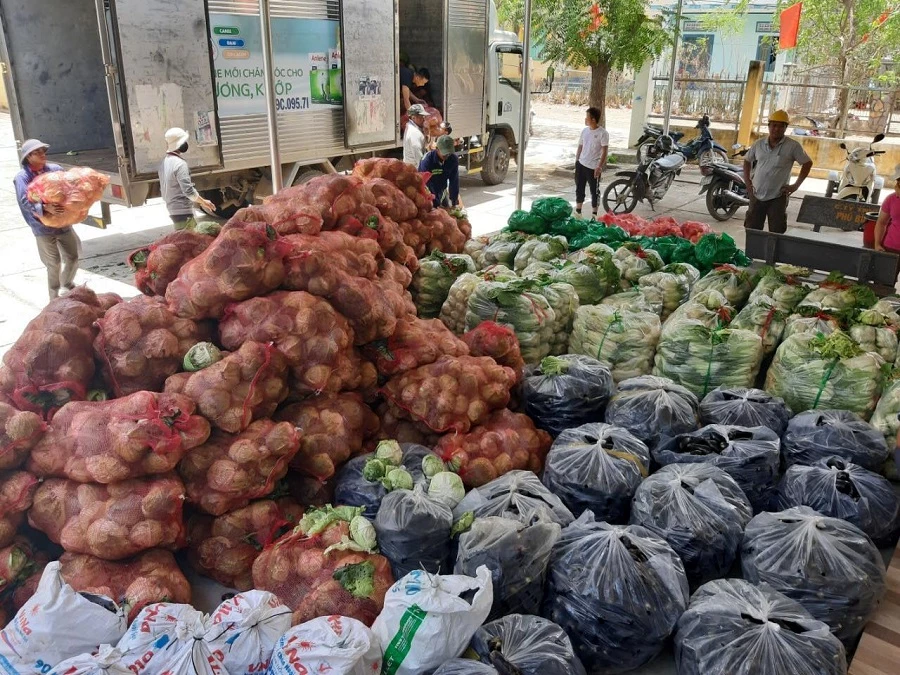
(822, 212)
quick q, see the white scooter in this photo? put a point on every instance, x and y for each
(858, 181)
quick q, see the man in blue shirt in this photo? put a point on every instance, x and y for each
(54, 244)
(443, 165)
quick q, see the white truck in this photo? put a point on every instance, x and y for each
(102, 80)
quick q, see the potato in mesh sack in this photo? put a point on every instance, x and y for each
(74, 190)
(499, 342)
(390, 200)
(652, 407)
(111, 521)
(156, 266)
(826, 564)
(326, 567)
(517, 495)
(390, 270)
(371, 307)
(244, 386)
(229, 470)
(446, 232)
(733, 626)
(617, 591)
(17, 490)
(333, 428)
(315, 340)
(110, 441)
(19, 433)
(317, 263)
(529, 645)
(404, 176)
(820, 434)
(743, 407)
(413, 531)
(434, 278)
(567, 391)
(622, 340)
(245, 260)
(415, 342)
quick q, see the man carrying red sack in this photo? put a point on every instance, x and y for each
(54, 244)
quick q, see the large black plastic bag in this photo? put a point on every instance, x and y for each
(650, 407)
(745, 408)
(617, 591)
(700, 511)
(597, 467)
(566, 391)
(465, 667)
(517, 556)
(749, 455)
(414, 532)
(518, 495)
(819, 434)
(826, 564)
(838, 488)
(734, 627)
(530, 644)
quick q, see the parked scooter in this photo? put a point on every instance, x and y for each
(724, 186)
(691, 150)
(858, 181)
(819, 128)
(650, 181)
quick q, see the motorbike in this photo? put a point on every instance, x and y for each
(650, 181)
(819, 128)
(724, 186)
(858, 182)
(691, 150)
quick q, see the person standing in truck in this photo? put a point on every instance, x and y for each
(590, 159)
(414, 136)
(443, 165)
(55, 245)
(175, 183)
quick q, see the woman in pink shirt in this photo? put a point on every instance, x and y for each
(887, 228)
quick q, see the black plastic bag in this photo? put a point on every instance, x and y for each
(651, 407)
(564, 392)
(466, 667)
(732, 626)
(826, 564)
(751, 456)
(745, 408)
(700, 511)
(840, 489)
(597, 467)
(517, 556)
(518, 495)
(530, 644)
(616, 590)
(819, 434)
(414, 532)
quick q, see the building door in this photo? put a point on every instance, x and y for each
(766, 51)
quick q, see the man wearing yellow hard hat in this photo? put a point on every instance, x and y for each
(767, 173)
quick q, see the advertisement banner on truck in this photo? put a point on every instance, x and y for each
(307, 60)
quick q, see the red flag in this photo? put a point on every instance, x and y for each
(789, 26)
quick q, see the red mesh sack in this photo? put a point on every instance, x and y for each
(390, 200)
(693, 230)
(17, 564)
(433, 122)
(110, 441)
(415, 342)
(146, 579)
(17, 490)
(297, 569)
(454, 393)
(317, 264)
(462, 222)
(110, 521)
(446, 236)
(19, 433)
(368, 223)
(107, 301)
(75, 190)
(499, 342)
(393, 271)
(316, 341)
(228, 471)
(371, 308)
(334, 429)
(405, 176)
(309, 208)
(308, 490)
(52, 362)
(156, 266)
(244, 386)
(245, 260)
(141, 342)
(396, 428)
(506, 441)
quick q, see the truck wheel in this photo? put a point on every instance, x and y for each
(829, 191)
(496, 161)
(307, 175)
(219, 197)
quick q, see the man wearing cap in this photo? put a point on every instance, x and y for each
(55, 245)
(443, 165)
(767, 174)
(175, 183)
(414, 136)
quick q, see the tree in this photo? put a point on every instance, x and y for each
(603, 35)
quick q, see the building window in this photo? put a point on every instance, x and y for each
(696, 54)
(766, 51)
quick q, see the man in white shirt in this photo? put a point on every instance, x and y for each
(590, 160)
(414, 137)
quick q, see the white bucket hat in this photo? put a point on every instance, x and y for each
(175, 138)
(30, 146)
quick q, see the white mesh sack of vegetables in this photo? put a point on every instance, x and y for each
(819, 434)
(593, 278)
(542, 248)
(592, 252)
(674, 282)
(518, 495)
(414, 532)
(826, 564)
(818, 322)
(876, 331)
(640, 299)
(597, 467)
(622, 340)
(700, 510)
(617, 591)
(516, 554)
(529, 645)
(652, 407)
(732, 626)
(886, 417)
(732, 282)
(743, 407)
(566, 391)
(635, 262)
(432, 281)
(835, 294)
(761, 316)
(814, 372)
(474, 248)
(564, 301)
(503, 247)
(453, 311)
(750, 455)
(787, 290)
(841, 489)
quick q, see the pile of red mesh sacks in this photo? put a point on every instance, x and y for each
(657, 227)
(74, 190)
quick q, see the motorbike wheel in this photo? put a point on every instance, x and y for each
(717, 205)
(619, 196)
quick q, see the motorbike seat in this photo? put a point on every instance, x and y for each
(671, 162)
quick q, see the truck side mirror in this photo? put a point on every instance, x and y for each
(548, 81)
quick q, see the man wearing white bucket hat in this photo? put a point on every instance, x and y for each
(887, 227)
(175, 183)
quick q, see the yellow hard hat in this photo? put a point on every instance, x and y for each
(780, 116)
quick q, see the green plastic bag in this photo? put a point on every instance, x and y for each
(685, 252)
(522, 221)
(715, 249)
(551, 209)
(570, 228)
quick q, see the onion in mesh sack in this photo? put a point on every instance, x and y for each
(318, 263)
(19, 433)
(404, 176)
(819, 434)
(651, 407)
(156, 266)
(567, 391)
(517, 495)
(415, 342)
(371, 307)
(17, 490)
(742, 407)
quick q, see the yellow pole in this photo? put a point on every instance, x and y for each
(750, 104)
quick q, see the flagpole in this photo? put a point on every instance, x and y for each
(671, 89)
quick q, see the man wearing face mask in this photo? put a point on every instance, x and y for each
(175, 183)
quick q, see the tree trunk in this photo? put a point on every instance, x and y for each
(597, 98)
(847, 43)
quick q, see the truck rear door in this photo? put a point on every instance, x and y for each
(467, 31)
